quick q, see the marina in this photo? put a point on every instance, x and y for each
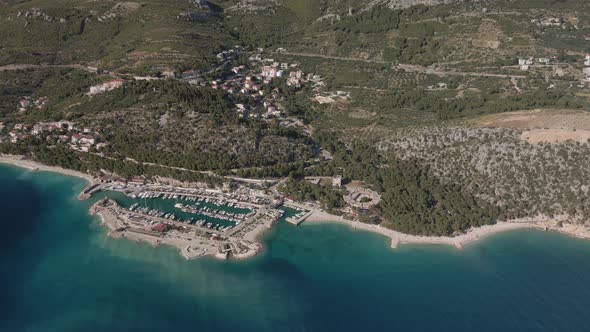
(239, 199)
(199, 222)
(300, 216)
(212, 213)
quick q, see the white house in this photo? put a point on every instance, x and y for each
(525, 62)
(106, 86)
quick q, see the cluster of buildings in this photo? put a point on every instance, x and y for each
(164, 74)
(27, 102)
(255, 80)
(83, 141)
(63, 132)
(230, 54)
(106, 86)
(261, 104)
(438, 86)
(294, 78)
(106, 17)
(526, 63)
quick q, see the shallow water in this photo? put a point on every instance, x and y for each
(61, 273)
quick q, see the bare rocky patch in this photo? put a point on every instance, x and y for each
(360, 113)
(551, 126)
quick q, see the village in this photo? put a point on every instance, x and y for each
(258, 80)
(254, 85)
(59, 132)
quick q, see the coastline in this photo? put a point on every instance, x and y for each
(472, 235)
(19, 161)
(255, 236)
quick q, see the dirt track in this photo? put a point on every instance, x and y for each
(31, 66)
(410, 68)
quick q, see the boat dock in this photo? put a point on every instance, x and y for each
(241, 201)
(302, 213)
(299, 218)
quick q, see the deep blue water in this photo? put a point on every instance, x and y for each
(59, 272)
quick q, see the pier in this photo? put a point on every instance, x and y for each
(299, 218)
(303, 213)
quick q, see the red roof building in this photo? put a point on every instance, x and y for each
(160, 228)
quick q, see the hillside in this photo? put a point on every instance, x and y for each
(474, 34)
(458, 114)
(111, 34)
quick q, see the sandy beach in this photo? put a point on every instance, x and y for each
(35, 166)
(472, 235)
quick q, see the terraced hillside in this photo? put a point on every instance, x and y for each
(111, 34)
(473, 34)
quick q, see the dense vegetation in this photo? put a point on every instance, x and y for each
(413, 200)
(516, 178)
(330, 198)
(58, 83)
(90, 163)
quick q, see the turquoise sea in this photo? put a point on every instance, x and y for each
(59, 272)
